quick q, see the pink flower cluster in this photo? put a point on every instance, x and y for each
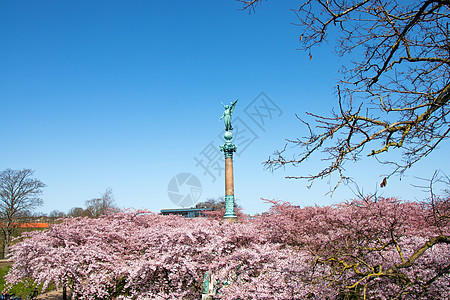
(377, 248)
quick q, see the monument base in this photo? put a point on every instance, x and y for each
(230, 219)
(229, 207)
(230, 215)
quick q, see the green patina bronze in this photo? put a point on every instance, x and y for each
(205, 287)
(226, 116)
(228, 148)
(229, 207)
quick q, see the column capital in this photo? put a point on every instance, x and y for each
(228, 148)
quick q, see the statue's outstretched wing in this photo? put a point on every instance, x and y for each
(233, 105)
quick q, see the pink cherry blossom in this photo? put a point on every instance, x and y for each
(376, 248)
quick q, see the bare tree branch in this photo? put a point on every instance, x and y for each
(19, 194)
(395, 92)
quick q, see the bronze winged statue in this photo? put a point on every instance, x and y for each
(227, 115)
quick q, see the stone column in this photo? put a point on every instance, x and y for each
(228, 148)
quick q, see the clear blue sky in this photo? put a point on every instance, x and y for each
(126, 94)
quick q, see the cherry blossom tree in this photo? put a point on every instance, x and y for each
(365, 248)
(372, 247)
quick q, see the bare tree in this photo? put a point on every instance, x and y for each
(19, 195)
(214, 204)
(393, 95)
(439, 200)
(56, 214)
(103, 205)
(78, 212)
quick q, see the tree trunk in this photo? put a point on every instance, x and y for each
(6, 248)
